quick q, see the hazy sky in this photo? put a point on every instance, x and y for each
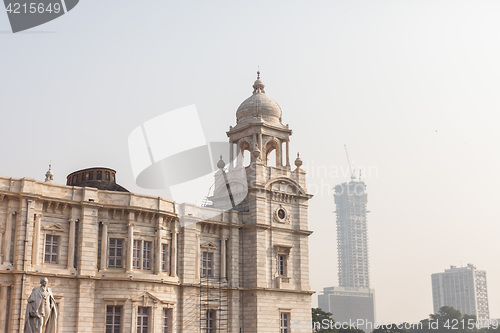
(412, 88)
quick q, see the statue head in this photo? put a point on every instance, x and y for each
(44, 281)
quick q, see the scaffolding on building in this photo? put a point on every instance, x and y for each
(214, 302)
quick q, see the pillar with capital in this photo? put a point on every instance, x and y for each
(36, 240)
(130, 242)
(10, 219)
(173, 253)
(104, 246)
(4, 314)
(158, 249)
(223, 263)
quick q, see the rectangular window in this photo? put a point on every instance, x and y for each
(284, 322)
(107, 175)
(77, 235)
(164, 256)
(99, 175)
(91, 175)
(210, 321)
(207, 264)
(143, 320)
(166, 320)
(146, 255)
(282, 265)
(137, 254)
(115, 257)
(113, 319)
(51, 249)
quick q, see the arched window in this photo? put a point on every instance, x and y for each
(271, 158)
(245, 151)
(271, 153)
(246, 158)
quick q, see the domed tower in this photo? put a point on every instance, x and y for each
(259, 129)
(274, 233)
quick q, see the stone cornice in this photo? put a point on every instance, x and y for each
(268, 227)
(237, 129)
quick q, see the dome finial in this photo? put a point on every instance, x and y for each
(258, 86)
(49, 175)
(298, 161)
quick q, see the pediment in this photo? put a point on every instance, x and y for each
(146, 298)
(286, 186)
(54, 227)
(209, 246)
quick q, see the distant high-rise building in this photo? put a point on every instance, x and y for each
(352, 235)
(353, 300)
(463, 288)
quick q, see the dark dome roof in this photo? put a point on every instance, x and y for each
(98, 177)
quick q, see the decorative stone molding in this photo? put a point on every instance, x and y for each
(209, 246)
(53, 227)
(281, 215)
(282, 249)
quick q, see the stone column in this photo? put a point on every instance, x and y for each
(104, 246)
(3, 306)
(279, 153)
(2, 237)
(71, 244)
(260, 143)
(288, 154)
(158, 252)
(239, 157)
(36, 240)
(223, 262)
(231, 153)
(173, 253)
(8, 235)
(130, 245)
(28, 246)
(197, 258)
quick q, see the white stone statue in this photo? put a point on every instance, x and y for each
(41, 313)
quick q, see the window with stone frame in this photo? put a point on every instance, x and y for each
(284, 322)
(282, 260)
(211, 321)
(114, 318)
(164, 257)
(146, 255)
(282, 264)
(207, 266)
(167, 317)
(115, 253)
(136, 260)
(51, 249)
(142, 257)
(143, 314)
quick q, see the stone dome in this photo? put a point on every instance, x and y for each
(258, 105)
(98, 177)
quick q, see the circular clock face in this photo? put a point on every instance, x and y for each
(281, 213)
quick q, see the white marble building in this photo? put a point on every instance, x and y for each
(124, 262)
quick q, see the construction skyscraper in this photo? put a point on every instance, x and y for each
(353, 300)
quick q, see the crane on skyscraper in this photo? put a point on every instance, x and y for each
(349, 162)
